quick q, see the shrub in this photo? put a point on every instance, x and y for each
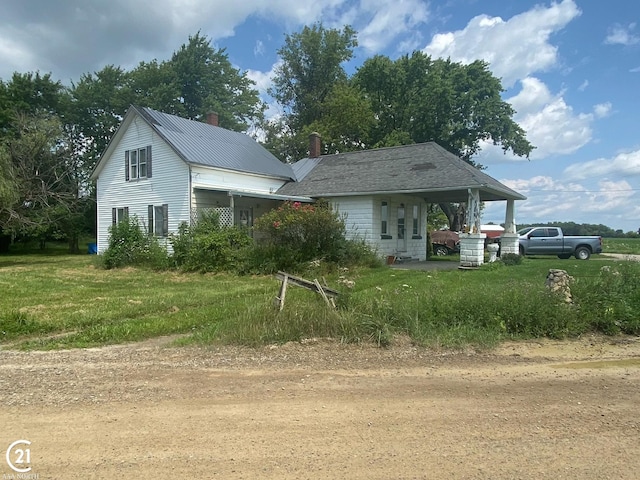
(511, 259)
(130, 245)
(610, 301)
(297, 233)
(209, 247)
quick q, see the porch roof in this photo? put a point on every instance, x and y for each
(263, 195)
(425, 170)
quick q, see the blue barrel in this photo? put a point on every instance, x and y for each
(93, 248)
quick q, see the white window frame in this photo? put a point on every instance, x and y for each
(119, 214)
(158, 220)
(137, 163)
(384, 219)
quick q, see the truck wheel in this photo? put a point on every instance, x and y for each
(564, 256)
(582, 253)
(521, 251)
(441, 250)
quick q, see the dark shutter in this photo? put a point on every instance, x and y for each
(126, 212)
(165, 220)
(150, 219)
(126, 165)
(114, 216)
(149, 161)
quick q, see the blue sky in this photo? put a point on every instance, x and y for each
(570, 68)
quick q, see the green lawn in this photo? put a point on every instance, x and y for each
(53, 301)
(621, 245)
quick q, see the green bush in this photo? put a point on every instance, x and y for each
(511, 259)
(610, 301)
(130, 245)
(297, 233)
(209, 247)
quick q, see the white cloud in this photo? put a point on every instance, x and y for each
(551, 125)
(602, 110)
(389, 20)
(263, 81)
(75, 36)
(625, 164)
(494, 40)
(621, 35)
(583, 86)
(551, 200)
(259, 50)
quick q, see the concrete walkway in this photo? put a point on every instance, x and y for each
(623, 256)
(427, 266)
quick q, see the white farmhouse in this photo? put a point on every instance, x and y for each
(164, 169)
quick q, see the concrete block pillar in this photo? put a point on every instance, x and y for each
(509, 243)
(472, 249)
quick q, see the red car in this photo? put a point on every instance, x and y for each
(445, 242)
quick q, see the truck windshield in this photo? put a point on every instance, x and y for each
(524, 231)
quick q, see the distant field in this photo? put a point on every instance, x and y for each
(621, 245)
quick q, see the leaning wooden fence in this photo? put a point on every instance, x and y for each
(328, 294)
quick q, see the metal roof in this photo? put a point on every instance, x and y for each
(199, 143)
(426, 170)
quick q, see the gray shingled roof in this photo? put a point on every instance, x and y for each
(199, 143)
(425, 169)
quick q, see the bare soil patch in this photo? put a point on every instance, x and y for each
(530, 410)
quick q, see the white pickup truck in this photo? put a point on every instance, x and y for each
(551, 241)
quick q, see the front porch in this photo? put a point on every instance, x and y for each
(236, 208)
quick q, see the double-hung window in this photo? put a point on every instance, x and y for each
(416, 222)
(119, 214)
(159, 220)
(137, 163)
(384, 221)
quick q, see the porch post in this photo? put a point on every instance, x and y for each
(472, 242)
(509, 241)
(232, 207)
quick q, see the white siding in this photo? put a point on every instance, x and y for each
(363, 221)
(357, 216)
(218, 179)
(169, 182)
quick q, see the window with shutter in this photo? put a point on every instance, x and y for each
(137, 163)
(159, 220)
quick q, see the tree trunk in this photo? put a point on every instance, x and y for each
(74, 246)
(456, 213)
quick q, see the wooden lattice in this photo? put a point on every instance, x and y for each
(225, 213)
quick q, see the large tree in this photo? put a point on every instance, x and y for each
(386, 102)
(311, 73)
(418, 99)
(28, 93)
(196, 80)
(206, 81)
(45, 197)
(453, 104)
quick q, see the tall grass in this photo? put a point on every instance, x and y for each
(621, 245)
(64, 301)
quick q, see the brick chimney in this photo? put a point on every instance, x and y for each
(314, 145)
(212, 118)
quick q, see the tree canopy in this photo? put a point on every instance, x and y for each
(386, 102)
(52, 136)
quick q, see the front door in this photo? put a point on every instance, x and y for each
(402, 237)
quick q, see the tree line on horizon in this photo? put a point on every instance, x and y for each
(572, 228)
(52, 135)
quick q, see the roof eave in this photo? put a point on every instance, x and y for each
(421, 192)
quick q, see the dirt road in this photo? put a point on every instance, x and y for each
(323, 410)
